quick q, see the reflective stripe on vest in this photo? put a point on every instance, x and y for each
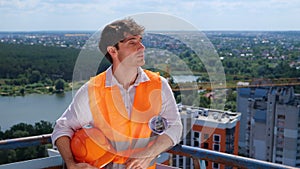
(127, 134)
(136, 143)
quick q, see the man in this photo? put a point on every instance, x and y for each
(124, 102)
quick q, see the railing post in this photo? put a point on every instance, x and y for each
(202, 164)
(196, 163)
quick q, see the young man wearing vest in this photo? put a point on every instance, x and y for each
(122, 103)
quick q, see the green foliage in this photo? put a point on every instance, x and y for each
(24, 130)
(34, 68)
(20, 133)
(36, 61)
(35, 76)
(48, 81)
(43, 127)
(1, 134)
(204, 101)
(19, 130)
(22, 91)
(60, 85)
(230, 106)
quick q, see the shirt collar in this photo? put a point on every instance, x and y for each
(110, 79)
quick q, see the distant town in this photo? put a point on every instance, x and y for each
(269, 45)
(57, 39)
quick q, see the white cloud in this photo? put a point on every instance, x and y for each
(208, 12)
(253, 4)
(19, 4)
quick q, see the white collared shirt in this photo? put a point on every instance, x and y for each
(78, 113)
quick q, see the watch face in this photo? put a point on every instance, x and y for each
(158, 124)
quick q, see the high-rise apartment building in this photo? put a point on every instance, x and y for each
(270, 124)
(211, 129)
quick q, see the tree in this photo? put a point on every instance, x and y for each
(19, 130)
(20, 133)
(60, 85)
(22, 91)
(35, 76)
(204, 102)
(1, 134)
(22, 130)
(43, 127)
(48, 81)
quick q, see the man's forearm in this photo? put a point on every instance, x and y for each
(64, 147)
(162, 143)
(143, 159)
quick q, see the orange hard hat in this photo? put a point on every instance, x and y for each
(89, 145)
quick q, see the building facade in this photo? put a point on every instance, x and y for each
(270, 124)
(210, 129)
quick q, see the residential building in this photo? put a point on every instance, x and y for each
(211, 129)
(270, 124)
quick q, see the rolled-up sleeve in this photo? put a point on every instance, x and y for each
(171, 113)
(76, 115)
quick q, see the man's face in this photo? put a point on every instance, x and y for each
(131, 51)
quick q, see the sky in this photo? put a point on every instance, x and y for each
(46, 15)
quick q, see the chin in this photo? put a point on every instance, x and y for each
(141, 63)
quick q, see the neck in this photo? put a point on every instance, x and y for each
(125, 76)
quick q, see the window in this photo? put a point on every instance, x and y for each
(196, 144)
(281, 116)
(217, 138)
(216, 166)
(216, 147)
(280, 123)
(280, 129)
(196, 134)
(206, 136)
(205, 145)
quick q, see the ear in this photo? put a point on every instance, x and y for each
(112, 50)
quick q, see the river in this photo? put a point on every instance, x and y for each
(32, 108)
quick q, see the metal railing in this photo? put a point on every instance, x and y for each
(197, 154)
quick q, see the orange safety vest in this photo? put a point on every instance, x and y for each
(126, 134)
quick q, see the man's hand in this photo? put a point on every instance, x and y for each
(143, 158)
(138, 163)
(63, 145)
(140, 159)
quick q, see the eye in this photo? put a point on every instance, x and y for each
(132, 42)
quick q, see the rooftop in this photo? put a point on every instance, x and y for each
(204, 116)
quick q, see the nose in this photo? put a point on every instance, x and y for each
(141, 46)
